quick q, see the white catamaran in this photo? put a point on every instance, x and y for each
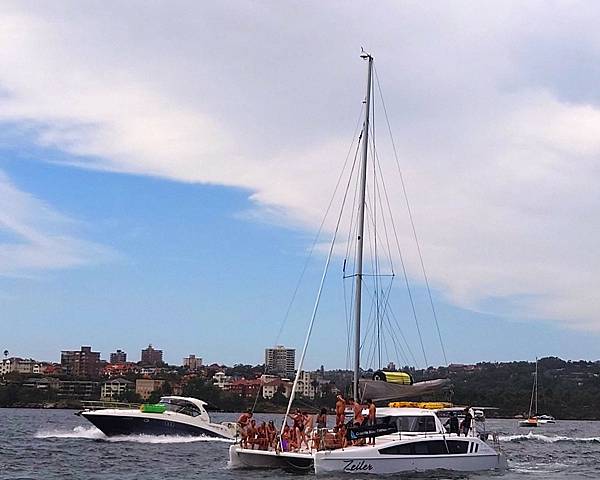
(405, 439)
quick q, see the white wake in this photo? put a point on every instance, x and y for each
(93, 433)
(546, 438)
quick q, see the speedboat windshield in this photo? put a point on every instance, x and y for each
(181, 406)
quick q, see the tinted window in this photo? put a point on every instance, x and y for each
(429, 447)
(412, 424)
(181, 406)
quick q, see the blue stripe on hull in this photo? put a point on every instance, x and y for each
(112, 425)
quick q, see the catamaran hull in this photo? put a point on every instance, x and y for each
(325, 462)
(242, 458)
(337, 461)
(113, 425)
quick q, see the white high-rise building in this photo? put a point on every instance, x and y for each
(281, 361)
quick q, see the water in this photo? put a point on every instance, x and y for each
(55, 444)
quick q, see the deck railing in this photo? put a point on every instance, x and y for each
(99, 404)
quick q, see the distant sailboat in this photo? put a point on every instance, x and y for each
(533, 419)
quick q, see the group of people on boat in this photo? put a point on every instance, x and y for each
(454, 426)
(306, 432)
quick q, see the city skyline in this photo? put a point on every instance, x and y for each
(163, 175)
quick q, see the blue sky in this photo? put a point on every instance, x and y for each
(162, 183)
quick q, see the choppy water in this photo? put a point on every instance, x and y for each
(55, 444)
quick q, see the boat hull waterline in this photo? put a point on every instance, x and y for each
(114, 425)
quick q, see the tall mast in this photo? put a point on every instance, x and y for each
(536, 386)
(361, 226)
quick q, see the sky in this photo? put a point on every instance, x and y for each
(165, 166)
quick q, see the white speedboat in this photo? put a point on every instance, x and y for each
(171, 416)
(409, 440)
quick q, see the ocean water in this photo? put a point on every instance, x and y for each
(56, 444)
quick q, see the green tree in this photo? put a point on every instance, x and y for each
(129, 396)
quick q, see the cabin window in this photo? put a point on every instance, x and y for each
(186, 408)
(417, 423)
(429, 447)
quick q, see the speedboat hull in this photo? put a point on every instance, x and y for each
(172, 416)
(113, 425)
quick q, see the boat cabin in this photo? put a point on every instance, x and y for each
(186, 405)
(400, 421)
(410, 420)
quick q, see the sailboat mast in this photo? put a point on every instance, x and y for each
(361, 226)
(536, 386)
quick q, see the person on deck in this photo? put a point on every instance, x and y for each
(372, 419)
(340, 410)
(322, 419)
(271, 434)
(252, 432)
(286, 438)
(358, 420)
(298, 427)
(261, 437)
(357, 408)
(452, 424)
(466, 423)
(341, 435)
(309, 423)
(243, 423)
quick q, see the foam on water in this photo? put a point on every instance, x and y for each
(93, 433)
(76, 432)
(547, 438)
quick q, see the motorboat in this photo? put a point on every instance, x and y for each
(543, 419)
(171, 416)
(406, 440)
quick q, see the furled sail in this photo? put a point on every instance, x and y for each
(382, 391)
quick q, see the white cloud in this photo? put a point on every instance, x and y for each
(500, 157)
(34, 237)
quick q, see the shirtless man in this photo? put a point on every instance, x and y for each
(251, 434)
(340, 410)
(243, 423)
(372, 418)
(358, 416)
